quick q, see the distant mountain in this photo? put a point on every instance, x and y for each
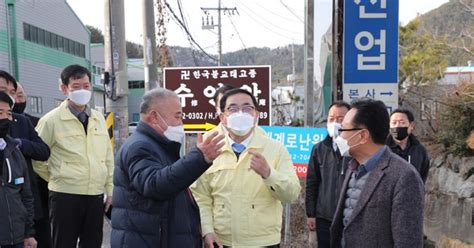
(279, 59)
(455, 22)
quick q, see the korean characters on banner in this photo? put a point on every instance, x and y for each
(196, 87)
(371, 50)
(299, 141)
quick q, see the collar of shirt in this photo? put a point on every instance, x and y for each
(76, 112)
(334, 146)
(370, 164)
(3, 144)
(246, 142)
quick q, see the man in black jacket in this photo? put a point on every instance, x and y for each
(16, 200)
(32, 147)
(153, 206)
(402, 141)
(325, 175)
(20, 104)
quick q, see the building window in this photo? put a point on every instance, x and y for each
(135, 117)
(60, 43)
(26, 31)
(48, 39)
(40, 36)
(35, 104)
(54, 41)
(136, 84)
(34, 34)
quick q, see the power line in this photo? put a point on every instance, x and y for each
(276, 14)
(271, 30)
(196, 63)
(276, 26)
(291, 11)
(175, 17)
(238, 34)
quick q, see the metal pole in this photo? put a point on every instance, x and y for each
(219, 31)
(149, 45)
(336, 70)
(116, 64)
(309, 63)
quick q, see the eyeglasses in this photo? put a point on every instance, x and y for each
(246, 109)
(348, 129)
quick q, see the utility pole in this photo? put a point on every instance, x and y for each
(208, 24)
(336, 47)
(149, 45)
(116, 66)
(309, 63)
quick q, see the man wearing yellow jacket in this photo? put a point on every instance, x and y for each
(240, 196)
(79, 170)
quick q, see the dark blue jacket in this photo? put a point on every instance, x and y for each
(32, 147)
(153, 206)
(16, 201)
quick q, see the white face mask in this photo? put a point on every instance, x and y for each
(240, 123)
(343, 145)
(80, 97)
(175, 133)
(333, 129)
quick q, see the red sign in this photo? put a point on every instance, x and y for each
(196, 87)
(301, 169)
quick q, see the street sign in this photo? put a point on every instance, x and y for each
(196, 87)
(299, 141)
(371, 50)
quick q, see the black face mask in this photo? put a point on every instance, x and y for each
(19, 107)
(399, 133)
(4, 127)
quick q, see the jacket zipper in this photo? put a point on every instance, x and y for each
(9, 170)
(9, 214)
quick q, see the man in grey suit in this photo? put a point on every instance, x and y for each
(381, 201)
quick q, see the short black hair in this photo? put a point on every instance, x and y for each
(222, 90)
(340, 104)
(235, 92)
(74, 72)
(407, 112)
(4, 97)
(373, 115)
(9, 78)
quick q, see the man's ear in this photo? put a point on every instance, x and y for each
(411, 127)
(63, 89)
(222, 118)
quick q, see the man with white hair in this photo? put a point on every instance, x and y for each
(153, 206)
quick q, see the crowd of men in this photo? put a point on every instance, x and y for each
(58, 175)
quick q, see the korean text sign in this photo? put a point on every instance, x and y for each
(299, 141)
(370, 41)
(196, 87)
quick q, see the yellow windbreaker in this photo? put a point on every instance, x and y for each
(241, 207)
(79, 163)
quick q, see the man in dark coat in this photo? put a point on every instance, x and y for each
(402, 141)
(325, 176)
(153, 206)
(16, 200)
(33, 148)
(381, 201)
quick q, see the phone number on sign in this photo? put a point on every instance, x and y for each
(209, 115)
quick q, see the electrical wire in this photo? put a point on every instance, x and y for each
(276, 14)
(175, 17)
(291, 11)
(193, 54)
(271, 30)
(238, 35)
(272, 24)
